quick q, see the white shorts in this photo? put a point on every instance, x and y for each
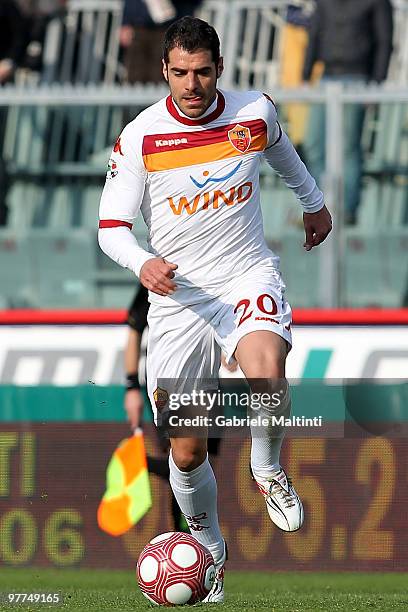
(185, 341)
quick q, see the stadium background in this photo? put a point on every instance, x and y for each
(62, 324)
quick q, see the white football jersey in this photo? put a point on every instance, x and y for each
(196, 183)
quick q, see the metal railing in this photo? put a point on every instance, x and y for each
(58, 132)
(334, 96)
(82, 43)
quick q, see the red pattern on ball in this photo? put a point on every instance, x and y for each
(169, 573)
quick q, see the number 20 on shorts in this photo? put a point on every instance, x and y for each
(265, 304)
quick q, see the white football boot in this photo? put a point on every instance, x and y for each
(284, 506)
(216, 595)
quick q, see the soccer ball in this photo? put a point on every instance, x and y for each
(174, 569)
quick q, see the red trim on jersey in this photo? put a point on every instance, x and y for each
(115, 317)
(114, 223)
(211, 117)
(199, 138)
(62, 317)
(360, 316)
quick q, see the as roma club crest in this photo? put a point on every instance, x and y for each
(160, 397)
(240, 138)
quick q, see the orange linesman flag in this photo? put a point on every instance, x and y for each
(127, 497)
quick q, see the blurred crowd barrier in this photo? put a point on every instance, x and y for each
(57, 143)
(58, 124)
(79, 41)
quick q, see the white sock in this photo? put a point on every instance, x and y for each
(265, 455)
(267, 441)
(196, 494)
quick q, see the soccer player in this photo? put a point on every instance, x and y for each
(190, 164)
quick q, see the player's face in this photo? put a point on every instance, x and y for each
(192, 78)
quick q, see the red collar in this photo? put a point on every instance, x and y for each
(171, 107)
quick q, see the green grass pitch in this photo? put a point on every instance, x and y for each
(97, 590)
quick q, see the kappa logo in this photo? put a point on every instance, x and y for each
(240, 138)
(172, 142)
(161, 397)
(117, 148)
(268, 319)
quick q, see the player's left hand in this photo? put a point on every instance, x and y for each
(318, 226)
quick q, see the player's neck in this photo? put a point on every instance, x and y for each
(211, 108)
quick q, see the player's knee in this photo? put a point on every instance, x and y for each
(189, 458)
(266, 367)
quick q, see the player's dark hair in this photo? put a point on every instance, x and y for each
(191, 34)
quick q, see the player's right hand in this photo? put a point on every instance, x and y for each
(156, 275)
(318, 226)
(134, 407)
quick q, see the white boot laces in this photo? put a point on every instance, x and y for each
(277, 489)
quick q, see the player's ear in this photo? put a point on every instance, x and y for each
(165, 71)
(220, 67)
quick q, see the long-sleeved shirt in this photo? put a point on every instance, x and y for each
(196, 183)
